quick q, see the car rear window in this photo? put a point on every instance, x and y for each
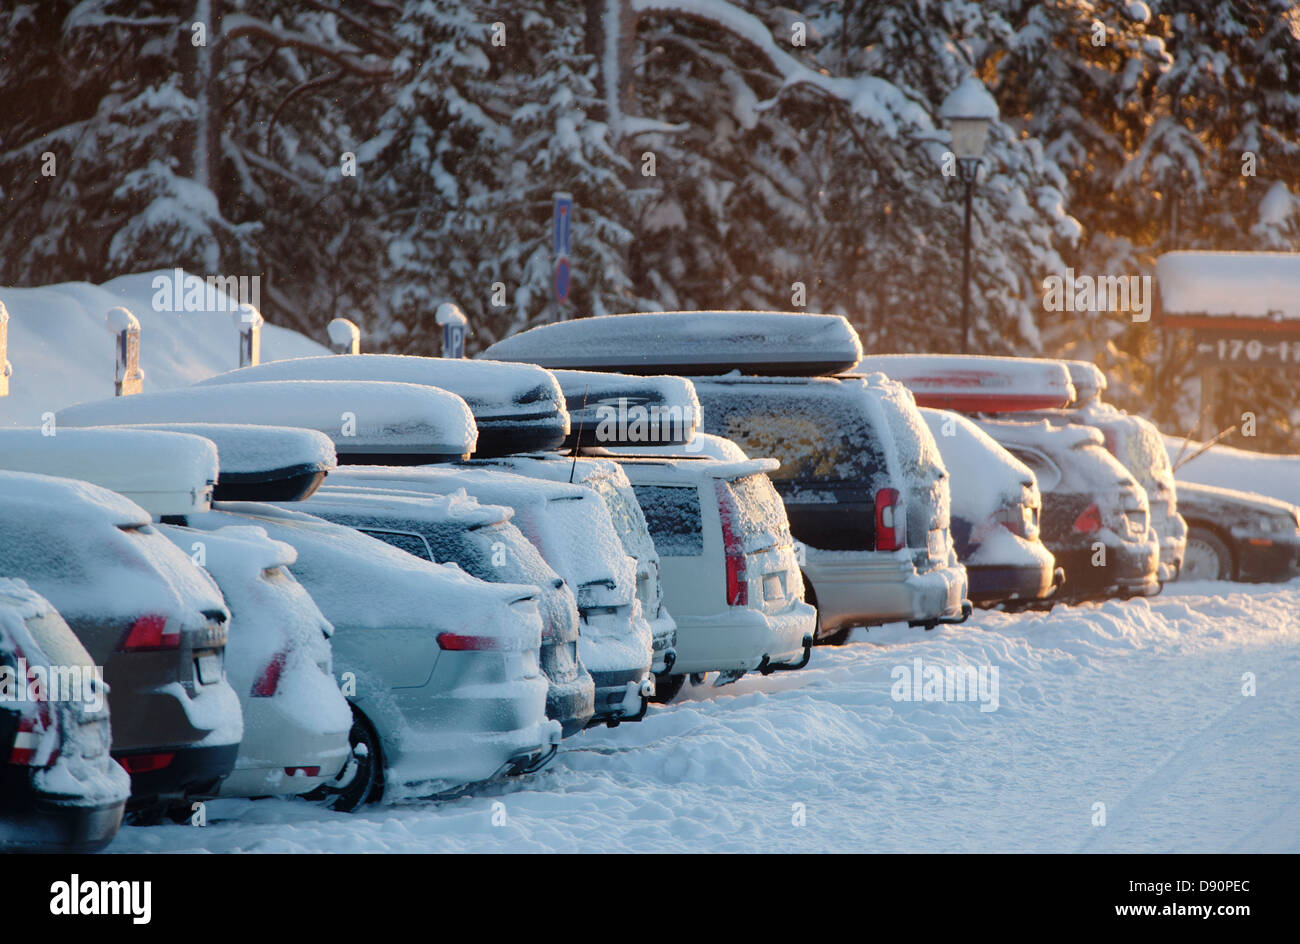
(411, 543)
(673, 515)
(759, 515)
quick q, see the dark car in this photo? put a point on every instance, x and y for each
(1095, 519)
(482, 541)
(1234, 535)
(60, 790)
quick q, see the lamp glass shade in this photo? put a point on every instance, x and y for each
(969, 136)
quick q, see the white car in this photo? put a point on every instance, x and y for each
(296, 721)
(730, 570)
(441, 669)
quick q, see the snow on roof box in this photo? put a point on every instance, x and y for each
(694, 343)
(262, 463)
(1230, 290)
(164, 473)
(623, 410)
(976, 383)
(517, 407)
(1089, 382)
(394, 423)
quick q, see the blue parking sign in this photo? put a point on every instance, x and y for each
(562, 222)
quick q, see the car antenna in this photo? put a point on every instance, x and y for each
(1205, 447)
(577, 439)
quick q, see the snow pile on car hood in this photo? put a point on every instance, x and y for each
(1228, 467)
(986, 478)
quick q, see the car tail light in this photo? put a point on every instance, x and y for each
(30, 737)
(305, 771)
(269, 681)
(733, 548)
(1089, 521)
(150, 633)
(463, 642)
(145, 763)
(1013, 518)
(891, 529)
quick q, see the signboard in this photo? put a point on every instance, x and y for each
(1246, 350)
(562, 280)
(453, 340)
(5, 368)
(562, 230)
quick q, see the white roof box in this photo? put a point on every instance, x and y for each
(1089, 382)
(517, 407)
(262, 463)
(624, 410)
(693, 343)
(972, 383)
(163, 473)
(369, 422)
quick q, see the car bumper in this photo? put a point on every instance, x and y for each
(865, 588)
(992, 583)
(275, 742)
(621, 695)
(1129, 570)
(191, 771)
(741, 639)
(41, 823)
(1267, 560)
(663, 633)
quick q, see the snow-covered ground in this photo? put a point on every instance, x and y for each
(1136, 705)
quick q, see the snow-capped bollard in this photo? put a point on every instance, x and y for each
(128, 378)
(250, 323)
(5, 367)
(453, 323)
(345, 337)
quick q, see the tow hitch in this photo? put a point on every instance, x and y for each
(767, 668)
(966, 610)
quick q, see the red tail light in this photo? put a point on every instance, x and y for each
(269, 681)
(305, 771)
(150, 633)
(145, 763)
(29, 739)
(460, 642)
(891, 530)
(1089, 521)
(733, 547)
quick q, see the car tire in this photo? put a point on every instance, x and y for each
(367, 783)
(667, 688)
(1207, 557)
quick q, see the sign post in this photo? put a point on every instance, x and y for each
(250, 335)
(128, 378)
(5, 367)
(345, 336)
(562, 230)
(453, 323)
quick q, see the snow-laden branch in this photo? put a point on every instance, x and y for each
(874, 99)
(354, 60)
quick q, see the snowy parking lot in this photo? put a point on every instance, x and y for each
(1119, 727)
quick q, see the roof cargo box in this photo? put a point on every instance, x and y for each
(391, 423)
(694, 343)
(517, 407)
(163, 473)
(1089, 382)
(624, 410)
(971, 383)
(262, 463)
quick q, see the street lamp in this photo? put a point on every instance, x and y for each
(969, 110)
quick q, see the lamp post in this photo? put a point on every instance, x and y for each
(969, 110)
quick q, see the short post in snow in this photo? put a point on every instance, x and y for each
(345, 336)
(128, 378)
(5, 367)
(562, 238)
(453, 323)
(250, 335)
(969, 110)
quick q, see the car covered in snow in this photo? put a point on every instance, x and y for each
(1095, 519)
(996, 507)
(60, 789)
(730, 571)
(368, 421)
(1238, 535)
(572, 529)
(608, 481)
(516, 407)
(608, 409)
(278, 659)
(441, 669)
(482, 541)
(155, 622)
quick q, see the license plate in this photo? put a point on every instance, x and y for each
(209, 668)
(772, 588)
(934, 543)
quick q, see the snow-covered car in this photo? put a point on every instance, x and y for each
(731, 574)
(572, 529)
(516, 407)
(441, 668)
(60, 789)
(156, 623)
(165, 473)
(608, 481)
(368, 421)
(700, 444)
(1237, 535)
(262, 463)
(1095, 519)
(863, 485)
(996, 507)
(482, 541)
(296, 721)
